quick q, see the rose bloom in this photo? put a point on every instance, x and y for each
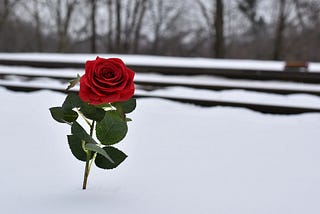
(106, 81)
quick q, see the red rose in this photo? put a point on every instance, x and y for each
(106, 81)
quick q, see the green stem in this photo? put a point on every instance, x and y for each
(88, 162)
(92, 160)
(86, 171)
(85, 119)
(92, 127)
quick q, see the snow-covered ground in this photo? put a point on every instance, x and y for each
(182, 159)
(151, 77)
(161, 61)
(236, 95)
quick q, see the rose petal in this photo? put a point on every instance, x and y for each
(106, 80)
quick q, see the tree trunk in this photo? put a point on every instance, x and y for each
(93, 26)
(38, 27)
(219, 48)
(297, 5)
(5, 12)
(59, 27)
(63, 22)
(129, 24)
(136, 38)
(110, 27)
(279, 31)
(118, 26)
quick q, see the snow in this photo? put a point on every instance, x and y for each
(145, 60)
(220, 81)
(52, 72)
(236, 95)
(71, 73)
(182, 159)
(242, 96)
(239, 96)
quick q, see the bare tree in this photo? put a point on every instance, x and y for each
(138, 24)
(298, 7)
(110, 22)
(163, 15)
(157, 13)
(38, 25)
(219, 24)
(279, 33)
(215, 21)
(118, 26)
(62, 12)
(303, 30)
(207, 13)
(165, 27)
(93, 4)
(34, 11)
(126, 19)
(6, 8)
(249, 9)
(309, 12)
(134, 17)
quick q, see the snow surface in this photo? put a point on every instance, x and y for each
(71, 73)
(182, 159)
(192, 62)
(240, 96)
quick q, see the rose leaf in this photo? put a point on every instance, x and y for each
(127, 106)
(111, 129)
(72, 101)
(117, 156)
(78, 130)
(99, 150)
(92, 112)
(75, 145)
(63, 116)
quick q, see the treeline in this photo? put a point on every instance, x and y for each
(253, 29)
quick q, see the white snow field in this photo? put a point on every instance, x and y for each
(182, 159)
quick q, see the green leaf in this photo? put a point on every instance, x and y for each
(117, 156)
(111, 129)
(92, 112)
(73, 82)
(127, 106)
(75, 145)
(72, 101)
(70, 116)
(99, 150)
(63, 116)
(78, 130)
(57, 114)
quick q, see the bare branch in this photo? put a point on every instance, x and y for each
(206, 14)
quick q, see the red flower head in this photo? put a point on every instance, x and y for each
(106, 81)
